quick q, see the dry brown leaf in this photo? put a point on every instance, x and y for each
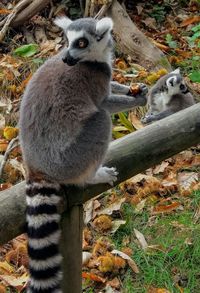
(5, 11)
(93, 277)
(166, 208)
(14, 281)
(161, 167)
(187, 179)
(135, 121)
(190, 20)
(115, 206)
(4, 186)
(140, 237)
(130, 261)
(116, 224)
(86, 257)
(150, 22)
(90, 208)
(114, 283)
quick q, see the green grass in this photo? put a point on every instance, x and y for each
(178, 259)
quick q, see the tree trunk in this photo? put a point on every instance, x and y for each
(133, 42)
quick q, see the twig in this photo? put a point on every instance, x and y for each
(103, 10)
(82, 5)
(11, 16)
(11, 146)
(87, 7)
(92, 8)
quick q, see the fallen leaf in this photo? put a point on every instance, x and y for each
(15, 281)
(135, 121)
(150, 22)
(93, 277)
(186, 179)
(130, 261)
(115, 206)
(5, 11)
(190, 20)
(5, 267)
(166, 208)
(116, 224)
(161, 167)
(4, 186)
(86, 257)
(114, 283)
(141, 239)
(140, 206)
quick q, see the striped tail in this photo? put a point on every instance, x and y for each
(43, 237)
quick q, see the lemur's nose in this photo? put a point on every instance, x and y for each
(69, 59)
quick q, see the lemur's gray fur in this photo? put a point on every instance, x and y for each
(65, 129)
(169, 95)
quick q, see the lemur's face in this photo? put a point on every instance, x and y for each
(88, 40)
(175, 83)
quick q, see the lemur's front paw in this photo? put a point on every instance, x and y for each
(147, 119)
(143, 89)
(139, 92)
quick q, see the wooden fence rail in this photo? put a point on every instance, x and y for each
(131, 155)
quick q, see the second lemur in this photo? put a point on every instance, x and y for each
(168, 96)
(65, 130)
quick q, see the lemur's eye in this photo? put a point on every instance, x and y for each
(182, 86)
(81, 43)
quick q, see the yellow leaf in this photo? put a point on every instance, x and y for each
(5, 267)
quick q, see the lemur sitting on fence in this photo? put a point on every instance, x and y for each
(169, 95)
(65, 129)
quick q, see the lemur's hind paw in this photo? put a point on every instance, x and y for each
(147, 119)
(111, 175)
(104, 175)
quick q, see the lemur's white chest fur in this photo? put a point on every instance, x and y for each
(161, 101)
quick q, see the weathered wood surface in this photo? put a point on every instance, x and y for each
(133, 42)
(71, 248)
(131, 155)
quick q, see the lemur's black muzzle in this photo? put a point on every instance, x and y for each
(69, 59)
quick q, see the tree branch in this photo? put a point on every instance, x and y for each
(131, 155)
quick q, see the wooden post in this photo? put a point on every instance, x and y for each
(71, 247)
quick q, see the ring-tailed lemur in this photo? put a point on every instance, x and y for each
(169, 95)
(65, 129)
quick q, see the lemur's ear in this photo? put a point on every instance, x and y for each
(176, 71)
(63, 22)
(104, 25)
